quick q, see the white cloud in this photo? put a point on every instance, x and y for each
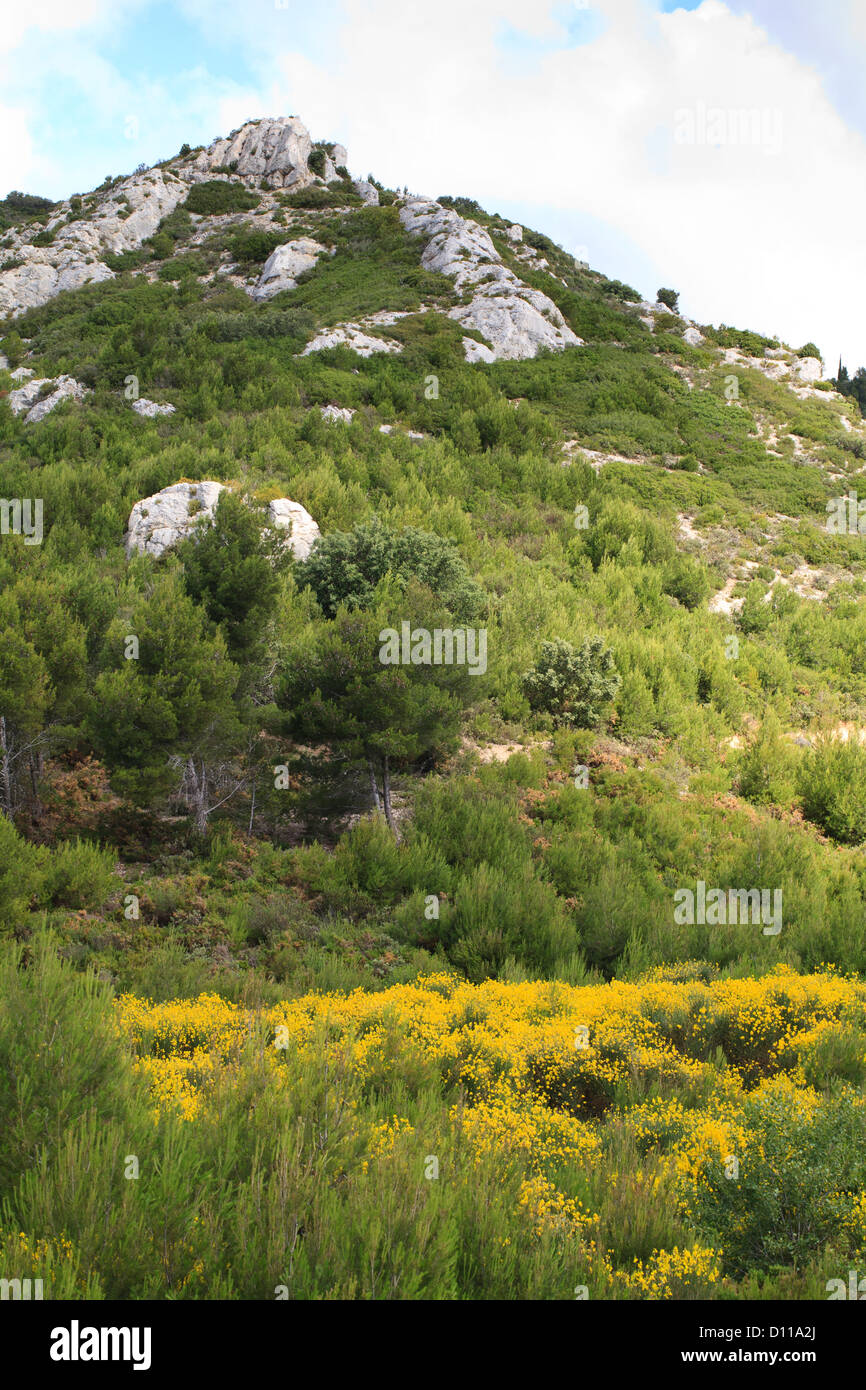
(18, 156)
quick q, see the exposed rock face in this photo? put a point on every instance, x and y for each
(367, 192)
(121, 218)
(694, 336)
(350, 335)
(517, 321)
(45, 274)
(22, 373)
(797, 374)
(159, 522)
(284, 265)
(474, 351)
(292, 516)
(515, 232)
(337, 413)
(150, 409)
(26, 397)
(276, 148)
(808, 369)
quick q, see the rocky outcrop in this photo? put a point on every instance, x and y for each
(808, 369)
(350, 335)
(797, 373)
(150, 409)
(275, 148)
(44, 274)
(517, 321)
(367, 192)
(159, 522)
(282, 267)
(38, 401)
(337, 413)
(120, 218)
(291, 516)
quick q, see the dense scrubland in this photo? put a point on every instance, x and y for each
(464, 1049)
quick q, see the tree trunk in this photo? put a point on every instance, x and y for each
(5, 770)
(375, 789)
(386, 796)
(35, 774)
(253, 804)
(198, 795)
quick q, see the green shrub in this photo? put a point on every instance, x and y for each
(216, 196)
(574, 684)
(344, 568)
(832, 785)
(78, 874)
(20, 876)
(686, 580)
(766, 768)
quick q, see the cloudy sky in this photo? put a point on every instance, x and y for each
(719, 148)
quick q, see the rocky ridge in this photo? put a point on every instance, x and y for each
(515, 320)
(70, 249)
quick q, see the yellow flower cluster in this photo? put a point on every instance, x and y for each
(537, 1064)
(383, 1137)
(671, 1273)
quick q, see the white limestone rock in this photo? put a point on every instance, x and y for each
(516, 320)
(150, 409)
(276, 148)
(367, 192)
(808, 369)
(694, 336)
(122, 218)
(158, 523)
(515, 232)
(336, 413)
(30, 398)
(45, 273)
(291, 516)
(22, 373)
(284, 265)
(474, 351)
(410, 434)
(350, 335)
(4, 363)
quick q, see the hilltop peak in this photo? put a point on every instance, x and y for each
(275, 148)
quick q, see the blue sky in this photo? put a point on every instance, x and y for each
(716, 147)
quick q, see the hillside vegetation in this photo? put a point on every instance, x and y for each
(430, 878)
